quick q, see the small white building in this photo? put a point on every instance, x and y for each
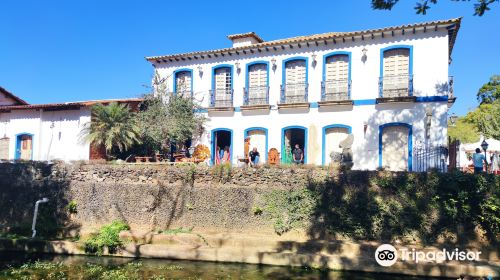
(388, 87)
(45, 131)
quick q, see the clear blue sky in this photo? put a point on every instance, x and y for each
(60, 50)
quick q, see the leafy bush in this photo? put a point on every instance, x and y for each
(107, 237)
(385, 206)
(289, 209)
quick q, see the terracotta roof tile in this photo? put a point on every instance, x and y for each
(315, 37)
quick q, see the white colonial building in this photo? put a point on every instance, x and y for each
(388, 87)
(46, 132)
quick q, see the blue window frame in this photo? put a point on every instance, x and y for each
(325, 58)
(181, 71)
(19, 136)
(410, 66)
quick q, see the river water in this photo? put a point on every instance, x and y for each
(24, 266)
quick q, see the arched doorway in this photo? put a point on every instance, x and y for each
(291, 136)
(222, 139)
(258, 139)
(24, 146)
(395, 146)
(332, 136)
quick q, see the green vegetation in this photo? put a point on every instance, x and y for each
(484, 120)
(114, 126)
(107, 237)
(58, 271)
(166, 119)
(72, 207)
(422, 6)
(428, 207)
(290, 209)
(222, 172)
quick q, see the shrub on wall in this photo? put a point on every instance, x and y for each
(385, 206)
(107, 237)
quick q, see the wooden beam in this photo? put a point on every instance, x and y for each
(373, 36)
(244, 52)
(392, 33)
(275, 48)
(300, 46)
(215, 55)
(237, 52)
(334, 41)
(414, 30)
(209, 56)
(403, 32)
(282, 47)
(352, 38)
(425, 29)
(436, 28)
(317, 44)
(267, 49)
(259, 50)
(382, 34)
(343, 40)
(307, 44)
(252, 51)
(362, 37)
(326, 43)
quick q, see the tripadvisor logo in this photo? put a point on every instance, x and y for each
(387, 255)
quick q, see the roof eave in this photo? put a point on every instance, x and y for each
(297, 41)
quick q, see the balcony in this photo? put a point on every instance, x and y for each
(335, 92)
(396, 88)
(256, 98)
(221, 100)
(294, 96)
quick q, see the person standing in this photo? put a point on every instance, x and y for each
(478, 160)
(297, 154)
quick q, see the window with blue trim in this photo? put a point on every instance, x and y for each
(294, 89)
(183, 83)
(396, 73)
(336, 78)
(222, 92)
(257, 90)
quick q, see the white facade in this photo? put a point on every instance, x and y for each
(54, 134)
(424, 118)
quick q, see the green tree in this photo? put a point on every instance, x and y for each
(165, 121)
(113, 126)
(464, 131)
(421, 7)
(490, 91)
(486, 118)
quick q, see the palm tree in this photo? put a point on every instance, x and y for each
(112, 126)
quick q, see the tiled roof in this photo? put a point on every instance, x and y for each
(452, 24)
(67, 105)
(11, 95)
(245, 35)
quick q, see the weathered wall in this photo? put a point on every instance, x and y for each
(146, 197)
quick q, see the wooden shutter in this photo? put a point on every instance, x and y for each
(257, 75)
(295, 72)
(223, 78)
(337, 68)
(395, 148)
(396, 62)
(183, 81)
